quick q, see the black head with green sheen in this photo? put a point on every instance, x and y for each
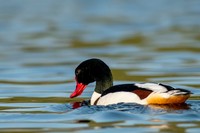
(89, 71)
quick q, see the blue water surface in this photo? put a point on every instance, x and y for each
(42, 42)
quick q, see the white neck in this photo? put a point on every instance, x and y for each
(94, 97)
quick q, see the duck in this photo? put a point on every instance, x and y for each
(105, 93)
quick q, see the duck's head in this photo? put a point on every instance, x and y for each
(89, 71)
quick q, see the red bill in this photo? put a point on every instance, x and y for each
(79, 89)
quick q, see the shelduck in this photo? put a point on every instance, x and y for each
(105, 93)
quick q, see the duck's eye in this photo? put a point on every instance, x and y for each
(78, 72)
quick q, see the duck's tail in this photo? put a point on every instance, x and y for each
(174, 96)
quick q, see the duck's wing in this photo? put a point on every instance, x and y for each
(152, 93)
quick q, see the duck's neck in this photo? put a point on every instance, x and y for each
(104, 84)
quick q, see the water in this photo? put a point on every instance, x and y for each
(41, 43)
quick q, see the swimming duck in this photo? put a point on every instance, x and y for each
(105, 93)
